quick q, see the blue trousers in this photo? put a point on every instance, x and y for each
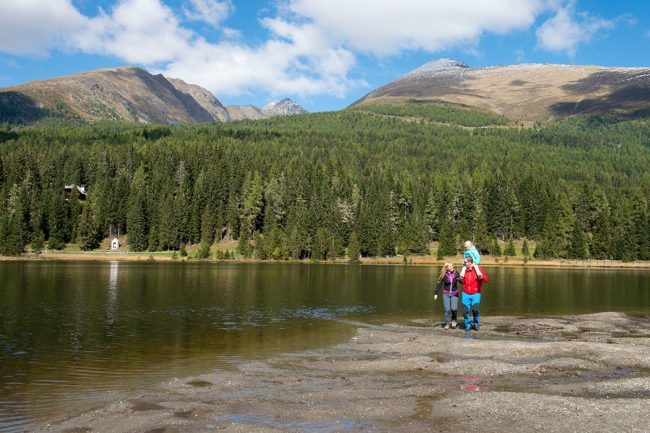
(473, 303)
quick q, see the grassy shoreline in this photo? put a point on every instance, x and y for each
(425, 260)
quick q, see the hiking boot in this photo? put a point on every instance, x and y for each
(446, 326)
(454, 325)
(476, 326)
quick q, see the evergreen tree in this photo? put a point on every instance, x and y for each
(58, 222)
(252, 204)
(525, 251)
(138, 224)
(601, 244)
(579, 248)
(320, 247)
(510, 249)
(89, 233)
(354, 248)
(495, 250)
(10, 235)
(447, 242)
(245, 249)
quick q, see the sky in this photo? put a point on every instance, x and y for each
(324, 54)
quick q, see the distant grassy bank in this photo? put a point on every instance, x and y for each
(420, 260)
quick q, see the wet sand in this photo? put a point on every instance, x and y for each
(560, 374)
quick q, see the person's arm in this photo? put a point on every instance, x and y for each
(479, 274)
(435, 295)
(462, 272)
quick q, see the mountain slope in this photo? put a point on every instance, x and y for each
(529, 92)
(204, 97)
(128, 94)
(245, 112)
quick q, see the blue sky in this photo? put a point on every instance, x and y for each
(324, 54)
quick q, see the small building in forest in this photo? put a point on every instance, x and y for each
(80, 190)
(115, 244)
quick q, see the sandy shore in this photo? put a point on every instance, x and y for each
(560, 374)
(398, 260)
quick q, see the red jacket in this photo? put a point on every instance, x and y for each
(472, 283)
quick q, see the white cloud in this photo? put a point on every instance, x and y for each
(297, 66)
(144, 32)
(311, 48)
(386, 27)
(567, 29)
(33, 27)
(211, 11)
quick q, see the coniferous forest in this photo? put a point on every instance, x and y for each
(375, 180)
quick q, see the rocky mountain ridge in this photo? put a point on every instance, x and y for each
(125, 93)
(525, 92)
(285, 107)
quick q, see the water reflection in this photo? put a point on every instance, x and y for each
(111, 303)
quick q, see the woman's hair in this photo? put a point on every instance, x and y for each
(444, 269)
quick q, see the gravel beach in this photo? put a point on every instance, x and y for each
(555, 374)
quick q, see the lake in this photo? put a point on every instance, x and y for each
(74, 335)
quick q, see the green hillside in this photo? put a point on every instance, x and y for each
(303, 186)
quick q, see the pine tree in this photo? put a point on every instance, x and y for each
(252, 204)
(245, 249)
(579, 248)
(89, 236)
(354, 248)
(58, 222)
(319, 251)
(510, 249)
(495, 250)
(525, 251)
(138, 224)
(10, 235)
(447, 242)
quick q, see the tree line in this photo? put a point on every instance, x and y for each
(329, 184)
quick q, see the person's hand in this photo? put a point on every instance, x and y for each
(435, 297)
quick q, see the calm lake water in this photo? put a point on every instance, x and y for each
(74, 335)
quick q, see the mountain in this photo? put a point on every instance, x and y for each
(527, 92)
(285, 107)
(204, 97)
(126, 93)
(245, 112)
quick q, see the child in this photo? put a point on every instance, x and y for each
(470, 251)
(472, 287)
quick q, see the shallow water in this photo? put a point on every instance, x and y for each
(74, 335)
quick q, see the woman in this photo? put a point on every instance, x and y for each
(448, 280)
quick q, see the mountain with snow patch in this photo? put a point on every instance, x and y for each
(526, 92)
(285, 107)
